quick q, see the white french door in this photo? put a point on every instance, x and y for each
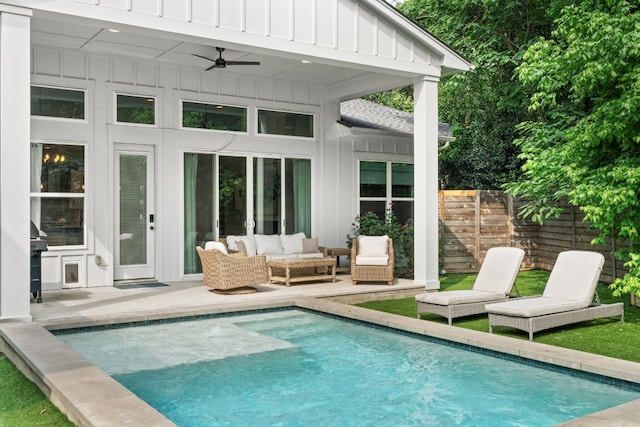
(134, 213)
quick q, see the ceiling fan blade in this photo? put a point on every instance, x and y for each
(243, 63)
(204, 57)
(211, 67)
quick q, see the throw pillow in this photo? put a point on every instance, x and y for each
(241, 247)
(310, 246)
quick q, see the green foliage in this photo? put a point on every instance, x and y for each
(483, 105)
(22, 403)
(584, 145)
(607, 337)
(369, 224)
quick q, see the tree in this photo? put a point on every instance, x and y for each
(484, 105)
(584, 144)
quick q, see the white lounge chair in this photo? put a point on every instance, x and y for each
(495, 280)
(567, 298)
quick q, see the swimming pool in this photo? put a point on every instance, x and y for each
(295, 367)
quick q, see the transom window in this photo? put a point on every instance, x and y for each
(135, 109)
(57, 102)
(384, 184)
(58, 192)
(285, 123)
(214, 116)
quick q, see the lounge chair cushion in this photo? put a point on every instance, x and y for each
(574, 276)
(372, 260)
(459, 297)
(499, 270)
(533, 307)
(216, 245)
(373, 246)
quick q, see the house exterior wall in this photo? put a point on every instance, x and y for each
(102, 77)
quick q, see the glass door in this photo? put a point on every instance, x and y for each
(267, 195)
(134, 219)
(232, 196)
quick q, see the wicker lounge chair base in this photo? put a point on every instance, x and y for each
(539, 323)
(235, 291)
(454, 310)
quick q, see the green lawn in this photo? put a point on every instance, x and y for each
(22, 403)
(607, 337)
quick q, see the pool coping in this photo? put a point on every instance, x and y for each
(88, 396)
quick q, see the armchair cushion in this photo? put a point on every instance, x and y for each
(373, 246)
(372, 260)
(216, 245)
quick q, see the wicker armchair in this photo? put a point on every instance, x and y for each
(363, 266)
(236, 270)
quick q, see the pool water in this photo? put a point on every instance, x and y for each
(298, 368)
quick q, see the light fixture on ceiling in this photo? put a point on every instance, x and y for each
(114, 30)
(306, 61)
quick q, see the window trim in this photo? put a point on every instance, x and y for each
(136, 95)
(62, 87)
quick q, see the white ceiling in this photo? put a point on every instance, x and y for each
(169, 48)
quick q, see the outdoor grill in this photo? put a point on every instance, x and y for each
(37, 247)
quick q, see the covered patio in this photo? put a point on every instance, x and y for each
(87, 66)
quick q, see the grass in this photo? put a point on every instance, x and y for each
(22, 403)
(607, 337)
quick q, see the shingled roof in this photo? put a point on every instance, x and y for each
(369, 115)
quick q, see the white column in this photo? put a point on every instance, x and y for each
(14, 162)
(425, 142)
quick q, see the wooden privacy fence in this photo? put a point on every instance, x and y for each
(472, 221)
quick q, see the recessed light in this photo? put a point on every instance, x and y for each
(306, 61)
(114, 30)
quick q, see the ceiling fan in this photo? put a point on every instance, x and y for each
(220, 62)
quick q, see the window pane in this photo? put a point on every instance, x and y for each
(373, 179)
(402, 180)
(266, 195)
(57, 168)
(54, 102)
(232, 195)
(61, 218)
(199, 174)
(216, 117)
(133, 209)
(298, 196)
(136, 109)
(403, 210)
(285, 123)
(377, 207)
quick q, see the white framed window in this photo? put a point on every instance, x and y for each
(383, 184)
(218, 117)
(287, 123)
(57, 102)
(58, 196)
(135, 109)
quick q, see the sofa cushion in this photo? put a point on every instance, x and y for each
(216, 245)
(268, 244)
(373, 246)
(311, 255)
(310, 245)
(248, 241)
(292, 243)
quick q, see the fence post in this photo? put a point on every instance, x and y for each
(478, 220)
